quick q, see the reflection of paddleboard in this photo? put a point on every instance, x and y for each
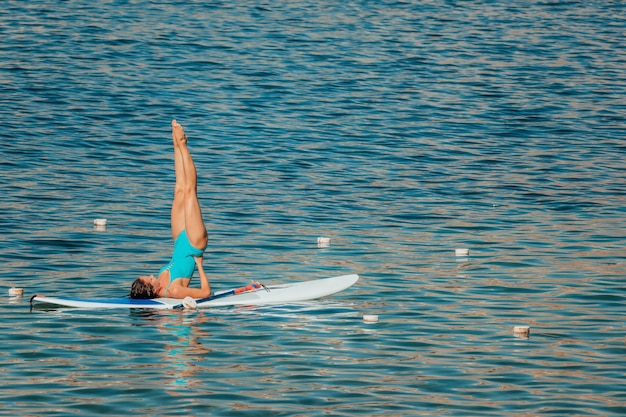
(252, 294)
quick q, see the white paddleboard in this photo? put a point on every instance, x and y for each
(254, 294)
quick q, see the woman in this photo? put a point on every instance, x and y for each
(188, 231)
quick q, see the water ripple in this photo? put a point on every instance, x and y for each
(401, 130)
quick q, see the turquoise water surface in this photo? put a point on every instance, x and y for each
(402, 130)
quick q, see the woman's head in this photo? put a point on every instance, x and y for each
(145, 287)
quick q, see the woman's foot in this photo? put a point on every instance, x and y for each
(178, 134)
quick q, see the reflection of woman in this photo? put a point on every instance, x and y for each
(188, 231)
(184, 356)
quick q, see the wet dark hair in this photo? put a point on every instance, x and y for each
(142, 290)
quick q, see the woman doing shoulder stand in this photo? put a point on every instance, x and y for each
(188, 231)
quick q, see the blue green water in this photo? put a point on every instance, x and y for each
(400, 129)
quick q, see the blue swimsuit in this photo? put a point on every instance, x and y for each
(182, 263)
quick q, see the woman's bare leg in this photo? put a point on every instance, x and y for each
(196, 230)
(178, 205)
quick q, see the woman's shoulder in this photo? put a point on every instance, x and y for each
(177, 288)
